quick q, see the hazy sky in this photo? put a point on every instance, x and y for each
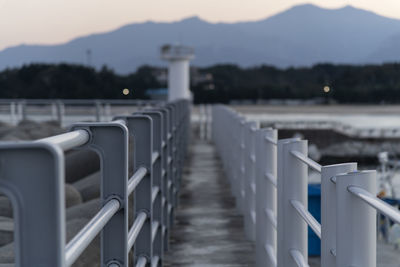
(57, 21)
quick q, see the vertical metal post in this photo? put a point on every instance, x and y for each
(141, 128)
(60, 112)
(157, 119)
(114, 181)
(32, 177)
(250, 187)
(209, 122)
(53, 110)
(201, 122)
(266, 202)
(328, 211)
(356, 221)
(170, 168)
(241, 185)
(98, 110)
(174, 144)
(22, 110)
(107, 111)
(13, 118)
(165, 174)
(236, 149)
(292, 185)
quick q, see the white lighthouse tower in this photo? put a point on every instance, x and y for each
(178, 57)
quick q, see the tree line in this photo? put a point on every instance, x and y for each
(73, 82)
(327, 82)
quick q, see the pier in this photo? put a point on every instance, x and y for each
(217, 191)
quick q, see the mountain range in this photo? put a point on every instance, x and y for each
(300, 36)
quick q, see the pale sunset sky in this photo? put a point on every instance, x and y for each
(58, 21)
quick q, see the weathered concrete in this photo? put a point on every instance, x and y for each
(208, 229)
(80, 164)
(72, 196)
(89, 187)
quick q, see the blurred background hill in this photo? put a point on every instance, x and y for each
(303, 35)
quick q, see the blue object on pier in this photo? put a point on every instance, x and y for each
(314, 207)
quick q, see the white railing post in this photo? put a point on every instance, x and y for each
(250, 187)
(328, 211)
(356, 221)
(13, 117)
(266, 209)
(292, 185)
(242, 160)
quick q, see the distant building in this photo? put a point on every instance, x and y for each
(178, 57)
(157, 93)
(161, 75)
(197, 77)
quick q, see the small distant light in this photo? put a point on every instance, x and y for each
(327, 89)
(125, 91)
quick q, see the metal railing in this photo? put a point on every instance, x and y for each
(269, 179)
(32, 177)
(66, 111)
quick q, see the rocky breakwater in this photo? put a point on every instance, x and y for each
(82, 192)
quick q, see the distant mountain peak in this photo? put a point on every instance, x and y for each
(306, 6)
(312, 7)
(348, 7)
(300, 36)
(192, 19)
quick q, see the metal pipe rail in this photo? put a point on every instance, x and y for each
(86, 235)
(269, 180)
(68, 140)
(376, 203)
(160, 142)
(307, 217)
(298, 258)
(136, 228)
(311, 163)
(136, 178)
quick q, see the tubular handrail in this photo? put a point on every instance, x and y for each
(272, 218)
(311, 163)
(375, 202)
(307, 217)
(136, 228)
(154, 261)
(154, 157)
(271, 254)
(270, 140)
(80, 242)
(271, 178)
(67, 141)
(154, 229)
(136, 179)
(154, 193)
(141, 262)
(298, 258)
(120, 121)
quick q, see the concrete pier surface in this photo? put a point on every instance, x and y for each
(208, 230)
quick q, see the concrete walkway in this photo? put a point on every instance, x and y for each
(208, 229)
